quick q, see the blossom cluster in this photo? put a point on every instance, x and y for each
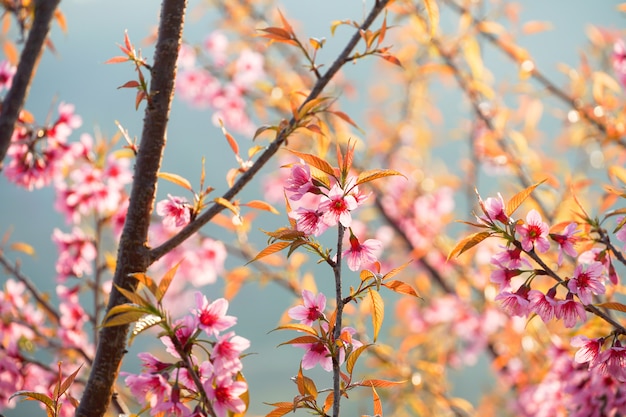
(200, 86)
(321, 206)
(311, 312)
(173, 386)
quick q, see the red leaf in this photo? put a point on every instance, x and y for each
(117, 60)
(130, 84)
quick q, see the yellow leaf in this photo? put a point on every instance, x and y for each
(223, 202)
(298, 327)
(271, 249)
(468, 243)
(354, 356)
(433, 15)
(176, 179)
(132, 297)
(23, 247)
(471, 52)
(261, 205)
(301, 340)
(519, 198)
(378, 311)
(145, 280)
(165, 282)
(373, 174)
(328, 403)
(613, 306)
(618, 172)
(495, 28)
(400, 287)
(315, 162)
(124, 318)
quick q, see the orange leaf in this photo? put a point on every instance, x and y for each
(231, 140)
(535, 26)
(351, 361)
(382, 383)
(378, 311)
(613, 306)
(176, 179)
(328, 403)
(395, 271)
(392, 59)
(60, 18)
(316, 162)
(297, 327)
(130, 84)
(378, 406)
(271, 249)
(344, 117)
(433, 15)
(23, 247)
(166, 281)
(468, 243)
(10, 51)
(400, 287)
(373, 174)
(285, 23)
(261, 205)
(301, 340)
(519, 198)
(116, 60)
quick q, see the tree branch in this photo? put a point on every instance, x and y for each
(16, 96)
(132, 253)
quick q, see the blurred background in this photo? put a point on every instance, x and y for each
(76, 74)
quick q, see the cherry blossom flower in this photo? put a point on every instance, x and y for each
(226, 353)
(299, 182)
(76, 253)
(312, 309)
(503, 276)
(544, 305)
(570, 311)
(7, 71)
(216, 46)
(362, 254)
(517, 303)
(336, 207)
(309, 221)
(172, 407)
(248, 69)
(613, 362)
(494, 210)
(316, 353)
(184, 330)
(212, 317)
(589, 351)
(149, 389)
(511, 258)
(225, 395)
(586, 281)
(618, 59)
(566, 241)
(534, 233)
(175, 211)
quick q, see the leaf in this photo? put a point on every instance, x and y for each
(468, 243)
(145, 280)
(230, 206)
(400, 287)
(23, 247)
(374, 174)
(495, 28)
(343, 116)
(395, 271)
(261, 205)
(176, 179)
(166, 281)
(381, 383)
(392, 59)
(271, 249)
(31, 395)
(301, 340)
(133, 297)
(535, 26)
(378, 406)
(328, 403)
(144, 323)
(306, 386)
(354, 356)
(67, 382)
(316, 162)
(124, 318)
(117, 60)
(231, 140)
(298, 327)
(433, 15)
(611, 305)
(519, 198)
(378, 311)
(10, 52)
(130, 84)
(281, 411)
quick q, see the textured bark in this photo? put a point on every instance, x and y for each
(133, 252)
(31, 53)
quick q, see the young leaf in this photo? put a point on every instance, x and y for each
(378, 311)
(316, 162)
(519, 198)
(433, 15)
(133, 297)
(165, 282)
(145, 280)
(271, 249)
(354, 356)
(261, 205)
(124, 318)
(176, 179)
(378, 406)
(298, 327)
(130, 84)
(230, 206)
(400, 287)
(23, 247)
(613, 306)
(328, 403)
(301, 340)
(343, 116)
(373, 174)
(142, 324)
(395, 271)
(381, 383)
(468, 243)
(67, 382)
(42, 398)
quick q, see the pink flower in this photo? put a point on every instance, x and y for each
(613, 362)
(316, 353)
(216, 45)
(336, 207)
(76, 252)
(172, 407)
(311, 311)
(517, 303)
(299, 182)
(212, 317)
(618, 59)
(224, 394)
(566, 241)
(226, 353)
(586, 282)
(589, 349)
(185, 328)
(544, 305)
(308, 221)
(503, 276)
(175, 211)
(534, 233)
(570, 311)
(7, 71)
(365, 253)
(494, 210)
(248, 69)
(510, 258)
